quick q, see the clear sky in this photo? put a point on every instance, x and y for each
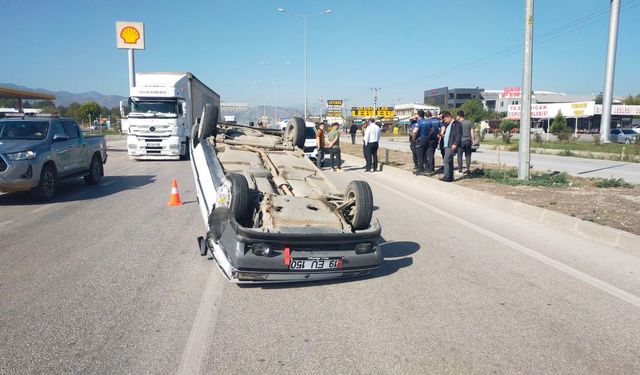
(404, 47)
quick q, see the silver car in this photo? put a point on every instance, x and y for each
(624, 136)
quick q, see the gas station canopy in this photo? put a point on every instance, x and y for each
(11, 93)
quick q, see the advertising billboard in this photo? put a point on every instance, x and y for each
(129, 35)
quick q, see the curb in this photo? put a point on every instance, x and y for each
(626, 241)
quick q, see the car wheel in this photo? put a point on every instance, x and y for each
(234, 194)
(95, 171)
(47, 185)
(209, 122)
(294, 132)
(359, 213)
(186, 151)
(627, 141)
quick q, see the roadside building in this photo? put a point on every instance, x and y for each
(450, 98)
(404, 111)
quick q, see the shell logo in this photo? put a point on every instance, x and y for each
(130, 35)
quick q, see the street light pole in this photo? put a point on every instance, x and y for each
(610, 69)
(524, 156)
(306, 18)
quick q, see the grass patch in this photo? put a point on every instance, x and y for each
(566, 153)
(612, 148)
(607, 183)
(509, 176)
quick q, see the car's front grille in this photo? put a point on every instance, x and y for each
(3, 165)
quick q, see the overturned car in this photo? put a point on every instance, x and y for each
(271, 215)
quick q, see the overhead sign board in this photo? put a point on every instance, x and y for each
(573, 110)
(385, 112)
(129, 35)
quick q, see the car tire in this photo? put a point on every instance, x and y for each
(46, 185)
(186, 150)
(234, 194)
(627, 141)
(209, 122)
(95, 171)
(360, 213)
(294, 132)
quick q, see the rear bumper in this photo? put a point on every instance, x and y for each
(234, 254)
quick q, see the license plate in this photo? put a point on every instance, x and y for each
(315, 264)
(153, 144)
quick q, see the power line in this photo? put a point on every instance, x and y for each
(558, 32)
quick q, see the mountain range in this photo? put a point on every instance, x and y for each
(65, 98)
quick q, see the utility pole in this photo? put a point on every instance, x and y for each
(610, 70)
(375, 101)
(275, 99)
(524, 155)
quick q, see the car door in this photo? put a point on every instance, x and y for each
(61, 149)
(77, 151)
(614, 135)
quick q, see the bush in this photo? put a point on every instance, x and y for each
(537, 138)
(597, 139)
(566, 153)
(510, 177)
(559, 128)
(606, 183)
(506, 126)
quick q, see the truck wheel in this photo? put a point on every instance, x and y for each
(47, 185)
(295, 132)
(359, 213)
(234, 194)
(209, 122)
(95, 171)
(186, 151)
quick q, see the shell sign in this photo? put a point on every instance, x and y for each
(130, 35)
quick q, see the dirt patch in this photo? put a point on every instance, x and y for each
(614, 207)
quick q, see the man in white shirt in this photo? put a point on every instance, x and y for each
(371, 139)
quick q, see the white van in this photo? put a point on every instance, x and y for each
(310, 142)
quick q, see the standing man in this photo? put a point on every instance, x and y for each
(371, 139)
(334, 147)
(452, 140)
(413, 125)
(320, 145)
(434, 125)
(468, 139)
(420, 136)
(353, 130)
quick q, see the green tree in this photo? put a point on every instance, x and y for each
(89, 110)
(506, 126)
(474, 110)
(559, 128)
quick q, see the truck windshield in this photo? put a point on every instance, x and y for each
(153, 107)
(34, 130)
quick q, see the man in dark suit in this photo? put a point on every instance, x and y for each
(452, 140)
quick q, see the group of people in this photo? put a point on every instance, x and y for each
(454, 137)
(330, 142)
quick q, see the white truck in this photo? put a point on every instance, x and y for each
(160, 112)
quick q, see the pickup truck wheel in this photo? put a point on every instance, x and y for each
(95, 171)
(47, 185)
(295, 132)
(359, 213)
(234, 194)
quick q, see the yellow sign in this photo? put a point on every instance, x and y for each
(385, 112)
(130, 35)
(334, 102)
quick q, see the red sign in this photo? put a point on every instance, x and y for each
(511, 92)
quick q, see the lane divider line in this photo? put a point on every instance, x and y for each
(588, 279)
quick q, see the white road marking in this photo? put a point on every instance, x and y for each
(595, 282)
(203, 326)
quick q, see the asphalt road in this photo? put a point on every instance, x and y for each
(581, 167)
(107, 279)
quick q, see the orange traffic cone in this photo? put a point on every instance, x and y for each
(174, 199)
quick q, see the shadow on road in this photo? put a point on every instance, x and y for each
(76, 190)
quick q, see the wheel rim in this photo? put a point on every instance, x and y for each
(47, 183)
(224, 195)
(351, 210)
